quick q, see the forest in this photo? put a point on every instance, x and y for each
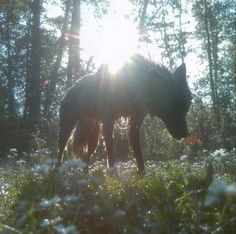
(189, 185)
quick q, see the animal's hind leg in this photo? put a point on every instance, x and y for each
(86, 134)
(64, 134)
(93, 135)
(79, 141)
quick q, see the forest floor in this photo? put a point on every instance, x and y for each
(176, 196)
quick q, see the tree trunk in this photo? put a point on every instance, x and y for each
(54, 74)
(209, 54)
(216, 69)
(181, 38)
(27, 72)
(142, 17)
(10, 79)
(74, 45)
(34, 79)
(210, 62)
(165, 37)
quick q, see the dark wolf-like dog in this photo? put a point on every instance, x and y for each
(140, 87)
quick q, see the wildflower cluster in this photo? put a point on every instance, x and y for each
(173, 197)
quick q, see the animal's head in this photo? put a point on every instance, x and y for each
(170, 98)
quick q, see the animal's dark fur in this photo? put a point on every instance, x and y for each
(138, 88)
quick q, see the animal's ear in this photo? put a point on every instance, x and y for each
(180, 73)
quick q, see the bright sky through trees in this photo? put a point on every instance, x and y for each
(114, 37)
(117, 41)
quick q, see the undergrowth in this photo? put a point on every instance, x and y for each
(173, 197)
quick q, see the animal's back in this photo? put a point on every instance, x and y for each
(105, 93)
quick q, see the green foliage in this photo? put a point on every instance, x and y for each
(156, 142)
(216, 88)
(173, 197)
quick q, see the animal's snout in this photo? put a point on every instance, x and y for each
(180, 136)
(177, 127)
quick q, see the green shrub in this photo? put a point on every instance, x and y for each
(173, 197)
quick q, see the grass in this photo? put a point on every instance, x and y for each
(173, 197)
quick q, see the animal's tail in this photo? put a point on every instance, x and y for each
(79, 138)
(85, 137)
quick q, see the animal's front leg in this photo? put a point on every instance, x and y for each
(134, 141)
(108, 137)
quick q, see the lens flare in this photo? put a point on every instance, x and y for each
(117, 42)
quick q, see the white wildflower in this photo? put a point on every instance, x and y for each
(47, 222)
(45, 203)
(42, 170)
(119, 213)
(231, 190)
(73, 163)
(183, 157)
(218, 190)
(66, 230)
(71, 198)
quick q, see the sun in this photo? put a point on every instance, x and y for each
(117, 41)
(112, 39)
